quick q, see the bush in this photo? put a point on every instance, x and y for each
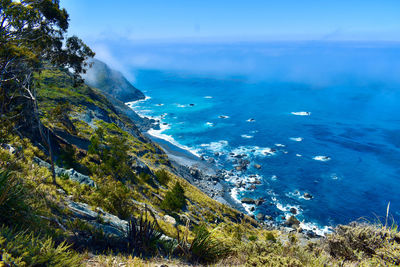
(358, 241)
(174, 199)
(162, 177)
(143, 236)
(22, 249)
(13, 205)
(203, 248)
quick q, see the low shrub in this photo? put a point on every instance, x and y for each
(162, 177)
(174, 199)
(23, 249)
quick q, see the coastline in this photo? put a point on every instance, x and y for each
(203, 175)
(220, 184)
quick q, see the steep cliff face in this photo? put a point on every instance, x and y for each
(111, 82)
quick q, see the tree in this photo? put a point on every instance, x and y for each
(32, 38)
(174, 199)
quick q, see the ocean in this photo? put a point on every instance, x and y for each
(319, 118)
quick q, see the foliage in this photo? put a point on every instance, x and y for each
(364, 241)
(162, 176)
(174, 199)
(26, 249)
(143, 236)
(33, 35)
(203, 248)
(13, 206)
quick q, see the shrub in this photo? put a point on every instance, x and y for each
(143, 236)
(203, 248)
(174, 199)
(21, 249)
(358, 241)
(162, 177)
(12, 199)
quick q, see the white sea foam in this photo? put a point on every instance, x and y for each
(322, 231)
(251, 120)
(181, 106)
(218, 146)
(299, 155)
(280, 145)
(207, 96)
(159, 134)
(209, 124)
(296, 139)
(322, 158)
(301, 113)
(223, 117)
(274, 177)
(246, 136)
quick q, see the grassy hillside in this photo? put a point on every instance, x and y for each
(118, 200)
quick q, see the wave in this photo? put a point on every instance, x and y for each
(296, 139)
(301, 113)
(322, 158)
(247, 136)
(208, 96)
(209, 124)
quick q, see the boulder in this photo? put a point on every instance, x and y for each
(71, 173)
(307, 196)
(293, 210)
(293, 222)
(259, 202)
(247, 200)
(260, 216)
(169, 219)
(257, 166)
(252, 209)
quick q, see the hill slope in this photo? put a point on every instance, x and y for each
(111, 82)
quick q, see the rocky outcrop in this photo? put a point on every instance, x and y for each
(111, 82)
(71, 173)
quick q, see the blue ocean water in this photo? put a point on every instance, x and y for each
(323, 120)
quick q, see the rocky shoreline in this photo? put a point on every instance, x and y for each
(212, 181)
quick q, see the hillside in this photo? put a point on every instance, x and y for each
(81, 185)
(111, 82)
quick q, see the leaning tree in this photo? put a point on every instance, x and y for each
(33, 36)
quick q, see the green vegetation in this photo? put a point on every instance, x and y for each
(50, 119)
(174, 199)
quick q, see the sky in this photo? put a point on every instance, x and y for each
(241, 37)
(222, 20)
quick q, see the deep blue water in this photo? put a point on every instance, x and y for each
(354, 105)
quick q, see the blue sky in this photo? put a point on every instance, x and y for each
(235, 20)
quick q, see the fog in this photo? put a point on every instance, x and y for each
(316, 63)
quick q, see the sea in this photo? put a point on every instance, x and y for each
(321, 118)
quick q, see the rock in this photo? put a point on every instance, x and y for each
(111, 224)
(260, 216)
(139, 166)
(211, 160)
(169, 219)
(71, 173)
(252, 209)
(247, 200)
(216, 154)
(252, 187)
(293, 210)
(259, 201)
(59, 190)
(191, 104)
(307, 196)
(292, 222)
(269, 218)
(257, 166)
(239, 168)
(9, 148)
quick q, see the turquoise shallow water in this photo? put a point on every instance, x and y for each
(337, 138)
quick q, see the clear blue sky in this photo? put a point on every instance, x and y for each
(371, 20)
